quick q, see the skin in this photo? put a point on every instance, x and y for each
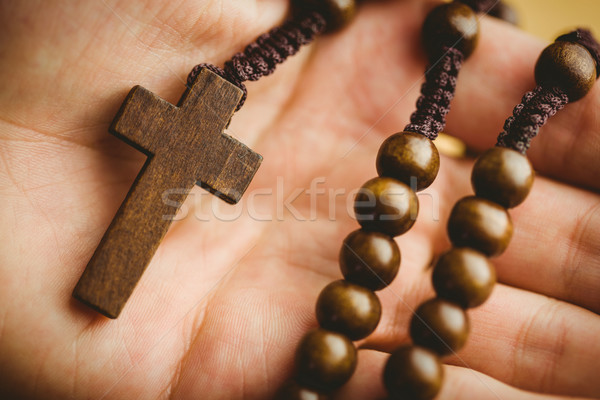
(223, 304)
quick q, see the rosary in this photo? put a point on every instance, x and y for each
(479, 226)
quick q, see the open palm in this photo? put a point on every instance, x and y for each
(220, 309)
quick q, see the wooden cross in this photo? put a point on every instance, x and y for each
(185, 145)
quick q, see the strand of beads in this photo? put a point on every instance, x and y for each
(480, 226)
(385, 207)
(450, 34)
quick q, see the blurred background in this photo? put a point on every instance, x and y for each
(549, 18)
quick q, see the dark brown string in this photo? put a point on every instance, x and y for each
(436, 94)
(262, 56)
(440, 84)
(540, 104)
(529, 116)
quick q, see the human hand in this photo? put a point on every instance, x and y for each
(220, 309)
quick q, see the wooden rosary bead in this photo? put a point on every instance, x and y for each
(338, 13)
(450, 25)
(325, 360)
(293, 391)
(349, 309)
(502, 175)
(568, 66)
(464, 276)
(369, 259)
(386, 205)
(440, 325)
(410, 158)
(480, 224)
(412, 372)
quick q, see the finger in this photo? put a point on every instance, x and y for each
(547, 346)
(459, 383)
(493, 81)
(543, 268)
(524, 339)
(367, 381)
(555, 249)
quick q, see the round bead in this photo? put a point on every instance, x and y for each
(412, 372)
(450, 25)
(349, 309)
(325, 360)
(386, 205)
(480, 224)
(410, 158)
(502, 175)
(464, 276)
(369, 259)
(568, 66)
(440, 326)
(292, 391)
(338, 13)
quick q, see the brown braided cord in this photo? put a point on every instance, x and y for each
(262, 56)
(529, 116)
(540, 104)
(436, 94)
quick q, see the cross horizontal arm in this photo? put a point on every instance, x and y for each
(142, 119)
(228, 169)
